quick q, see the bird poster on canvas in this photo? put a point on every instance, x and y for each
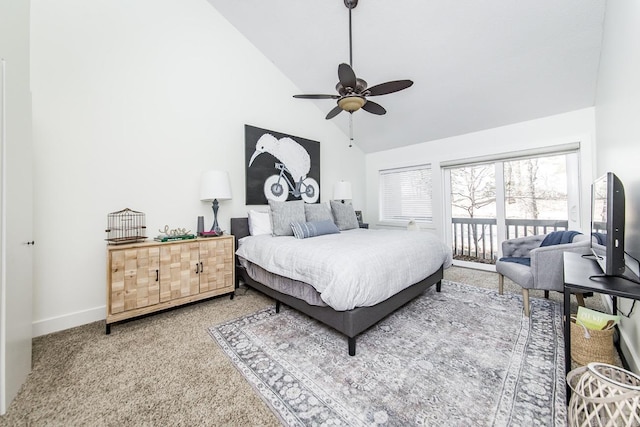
(280, 167)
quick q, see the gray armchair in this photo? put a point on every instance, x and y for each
(546, 264)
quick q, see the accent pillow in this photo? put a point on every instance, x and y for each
(283, 214)
(259, 223)
(302, 230)
(344, 215)
(317, 212)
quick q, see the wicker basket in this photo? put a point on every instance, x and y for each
(603, 395)
(588, 345)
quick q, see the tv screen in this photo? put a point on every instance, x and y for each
(607, 223)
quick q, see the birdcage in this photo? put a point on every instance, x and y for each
(125, 226)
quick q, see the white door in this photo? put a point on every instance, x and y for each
(16, 234)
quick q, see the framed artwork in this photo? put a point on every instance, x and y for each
(359, 216)
(280, 167)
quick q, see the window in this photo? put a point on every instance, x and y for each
(405, 193)
(536, 188)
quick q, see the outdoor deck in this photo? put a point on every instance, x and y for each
(476, 239)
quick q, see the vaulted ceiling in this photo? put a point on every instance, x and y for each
(476, 64)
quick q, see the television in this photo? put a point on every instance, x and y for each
(607, 224)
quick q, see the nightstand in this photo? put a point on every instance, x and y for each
(363, 225)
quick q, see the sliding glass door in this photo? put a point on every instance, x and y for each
(491, 201)
(474, 212)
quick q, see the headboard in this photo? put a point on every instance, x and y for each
(239, 228)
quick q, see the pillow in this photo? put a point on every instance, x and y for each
(344, 215)
(259, 223)
(317, 212)
(302, 230)
(283, 214)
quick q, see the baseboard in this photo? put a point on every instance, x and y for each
(71, 320)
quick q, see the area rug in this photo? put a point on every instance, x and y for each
(461, 357)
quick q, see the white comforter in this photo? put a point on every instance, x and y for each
(354, 268)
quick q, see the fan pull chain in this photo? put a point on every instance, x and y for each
(350, 129)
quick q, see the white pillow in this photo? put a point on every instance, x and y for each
(259, 223)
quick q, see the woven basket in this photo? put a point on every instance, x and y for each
(588, 345)
(603, 395)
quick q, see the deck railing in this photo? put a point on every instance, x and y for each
(476, 239)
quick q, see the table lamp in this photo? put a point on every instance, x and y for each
(214, 186)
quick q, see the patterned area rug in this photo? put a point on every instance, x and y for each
(462, 357)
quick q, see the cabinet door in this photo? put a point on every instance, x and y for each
(134, 278)
(216, 256)
(179, 271)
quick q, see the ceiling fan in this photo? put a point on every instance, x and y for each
(352, 91)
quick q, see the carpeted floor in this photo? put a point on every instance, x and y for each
(159, 370)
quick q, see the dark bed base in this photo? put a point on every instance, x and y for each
(350, 322)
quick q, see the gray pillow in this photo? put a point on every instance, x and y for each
(283, 214)
(302, 230)
(344, 215)
(317, 212)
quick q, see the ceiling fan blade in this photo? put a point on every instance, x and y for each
(389, 87)
(374, 108)
(333, 113)
(346, 76)
(317, 96)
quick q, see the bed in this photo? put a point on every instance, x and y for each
(313, 299)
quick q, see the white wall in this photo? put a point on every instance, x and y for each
(576, 126)
(132, 101)
(618, 134)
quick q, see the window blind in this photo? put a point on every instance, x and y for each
(405, 193)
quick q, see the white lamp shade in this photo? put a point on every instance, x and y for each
(342, 191)
(215, 185)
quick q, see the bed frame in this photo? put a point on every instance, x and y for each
(350, 322)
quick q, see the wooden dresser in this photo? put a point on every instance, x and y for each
(143, 278)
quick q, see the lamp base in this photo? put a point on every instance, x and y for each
(215, 228)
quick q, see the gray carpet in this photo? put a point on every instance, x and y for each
(160, 370)
(465, 356)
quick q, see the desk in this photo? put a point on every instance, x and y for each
(576, 279)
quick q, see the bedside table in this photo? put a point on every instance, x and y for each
(363, 225)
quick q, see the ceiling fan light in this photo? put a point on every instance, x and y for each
(351, 103)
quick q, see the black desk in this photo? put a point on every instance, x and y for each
(576, 279)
